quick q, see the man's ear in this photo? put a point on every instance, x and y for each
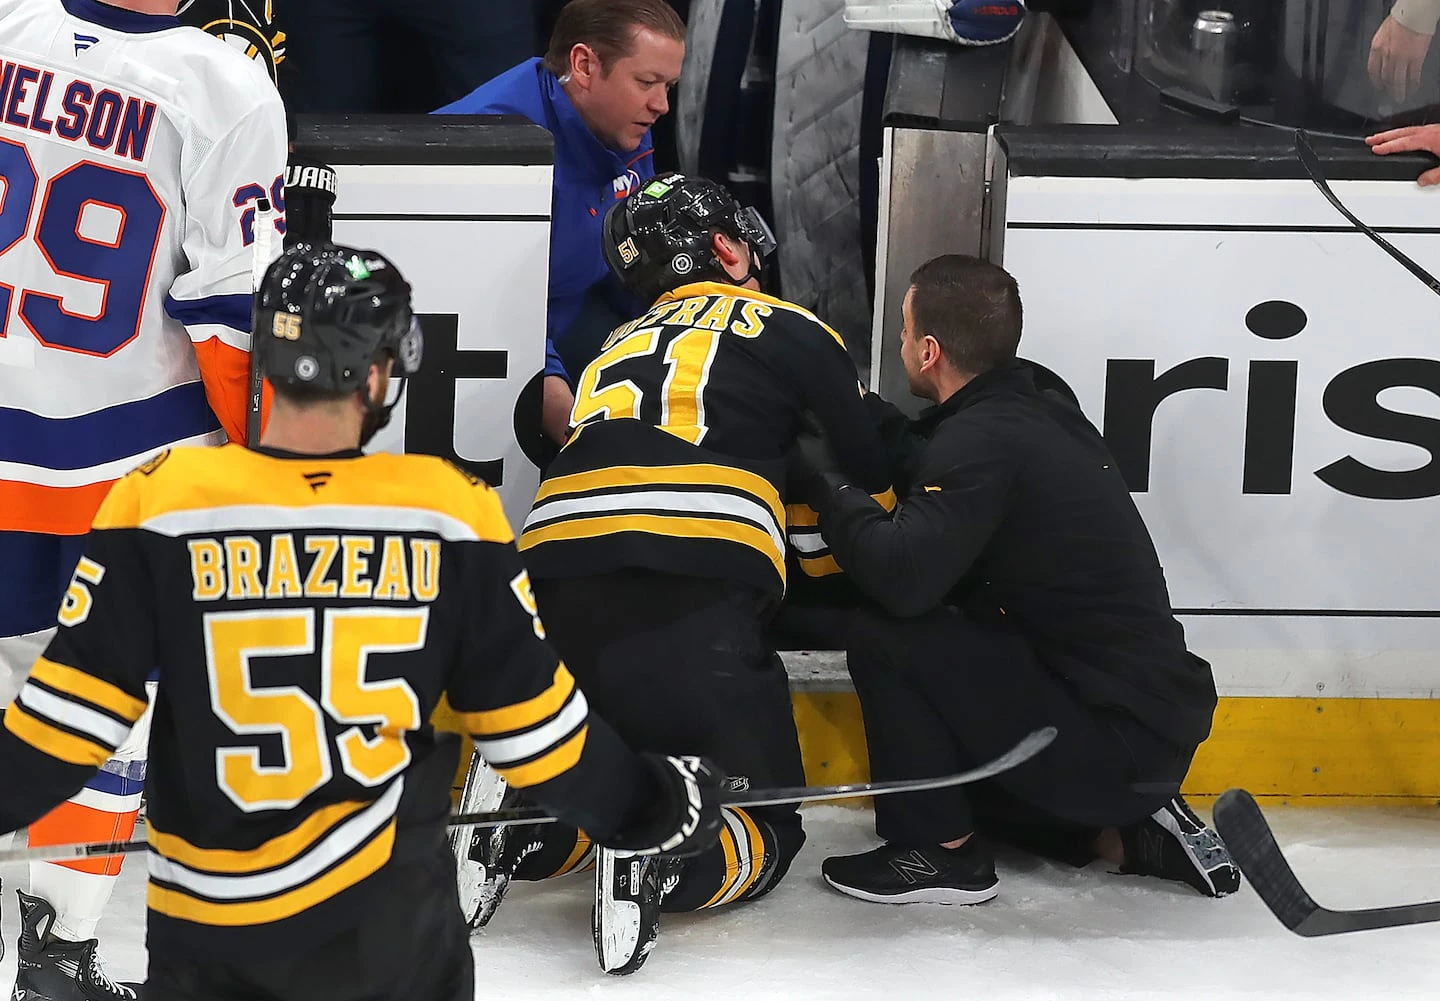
(930, 353)
(584, 64)
(373, 383)
(729, 252)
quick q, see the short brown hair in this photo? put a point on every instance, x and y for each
(608, 27)
(971, 307)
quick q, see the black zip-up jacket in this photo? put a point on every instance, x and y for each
(1016, 513)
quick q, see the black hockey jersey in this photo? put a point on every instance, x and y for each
(304, 614)
(683, 423)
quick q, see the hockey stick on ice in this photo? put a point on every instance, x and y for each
(1017, 755)
(1251, 842)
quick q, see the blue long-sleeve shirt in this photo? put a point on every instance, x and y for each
(589, 178)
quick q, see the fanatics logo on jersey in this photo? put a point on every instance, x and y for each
(83, 42)
(317, 480)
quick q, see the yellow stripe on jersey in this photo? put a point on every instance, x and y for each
(277, 851)
(700, 474)
(819, 566)
(202, 481)
(550, 765)
(578, 854)
(522, 715)
(805, 516)
(178, 904)
(801, 516)
(78, 684)
(757, 853)
(675, 526)
(730, 848)
(736, 292)
(57, 743)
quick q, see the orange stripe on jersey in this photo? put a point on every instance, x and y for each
(29, 507)
(225, 371)
(71, 823)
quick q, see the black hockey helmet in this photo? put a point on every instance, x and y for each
(322, 314)
(659, 238)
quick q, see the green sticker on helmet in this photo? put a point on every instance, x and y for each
(357, 269)
(657, 189)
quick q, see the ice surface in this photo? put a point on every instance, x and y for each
(1054, 932)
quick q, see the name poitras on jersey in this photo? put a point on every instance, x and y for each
(305, 614)
(683, 422)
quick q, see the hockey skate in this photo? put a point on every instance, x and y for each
(1172, 843)
(52, 969)
(477, 850)
(496, 855)
(626, 917)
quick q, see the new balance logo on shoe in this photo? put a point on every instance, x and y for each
(913, 867)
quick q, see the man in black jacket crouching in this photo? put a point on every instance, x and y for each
(1023, 590)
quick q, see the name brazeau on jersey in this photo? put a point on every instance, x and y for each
(387, 568)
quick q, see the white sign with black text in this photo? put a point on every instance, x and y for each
(473, 241)
(1269, 381)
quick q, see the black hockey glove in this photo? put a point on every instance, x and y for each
(814, 469)
(684, 818)
(309, 198)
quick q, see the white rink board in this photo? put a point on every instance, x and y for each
(473, 241)
(1308, 589)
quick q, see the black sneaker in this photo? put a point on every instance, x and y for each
(1172, 843)
(52, 969)
(891, 874)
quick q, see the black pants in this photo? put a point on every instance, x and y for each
(412, 945)
(679, 665)
(941, 694)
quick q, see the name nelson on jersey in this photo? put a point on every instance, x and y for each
(99, 117)
(388, 568)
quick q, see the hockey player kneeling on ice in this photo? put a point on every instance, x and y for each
(657, 539)
(1022, 590)
(306, 606)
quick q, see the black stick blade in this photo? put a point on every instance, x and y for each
(1248, 836)
(1246, 833)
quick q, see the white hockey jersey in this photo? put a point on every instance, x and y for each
(133, 152)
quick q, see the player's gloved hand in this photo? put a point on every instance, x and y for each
(684, 818)
(309, 199)
(814, 469)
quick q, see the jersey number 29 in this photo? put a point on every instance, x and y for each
(112, 260)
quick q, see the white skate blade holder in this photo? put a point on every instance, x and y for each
(617, 921)
(484, 791)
